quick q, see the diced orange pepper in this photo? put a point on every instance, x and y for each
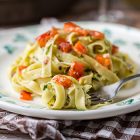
(72, 27)
(62, 80)
(115, 49)
(107, 62)
(42, 39)
(79, 48)
(21, 68)
(96, 34)
(65, 47)
(24, 95)
(103, 61)
(60, 40)
(100, 59)
(76, 70)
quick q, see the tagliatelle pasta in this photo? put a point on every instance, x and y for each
(63, 66)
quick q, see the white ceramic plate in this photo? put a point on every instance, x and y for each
(13, 41)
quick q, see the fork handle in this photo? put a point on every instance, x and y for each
(123, 81)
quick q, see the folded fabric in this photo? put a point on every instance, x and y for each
(124, 127)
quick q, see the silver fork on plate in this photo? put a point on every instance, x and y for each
(107, 93)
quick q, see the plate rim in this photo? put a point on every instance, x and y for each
(74, 115)
(109, 112)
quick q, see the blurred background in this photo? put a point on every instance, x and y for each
(26, 12)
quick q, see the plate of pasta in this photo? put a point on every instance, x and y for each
(50, 72)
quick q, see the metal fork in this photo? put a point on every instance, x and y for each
(107, 93)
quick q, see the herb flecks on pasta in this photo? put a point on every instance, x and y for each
(63, 66)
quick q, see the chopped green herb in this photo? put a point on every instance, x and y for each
(45, 87)
(87, 70)
(60, 67)
(47, 51)
(107, 42)
(66, 70)
(96, 77)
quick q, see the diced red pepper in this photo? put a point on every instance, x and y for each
(53, 31)
(42, 39)
(96, 34)
(115, 49)
(72, 27)
(24, 95)
(62, 80)
(79, 48)
(76, 70)
(60, 40)
(21, 68)
(82, 32)
(65, 47)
